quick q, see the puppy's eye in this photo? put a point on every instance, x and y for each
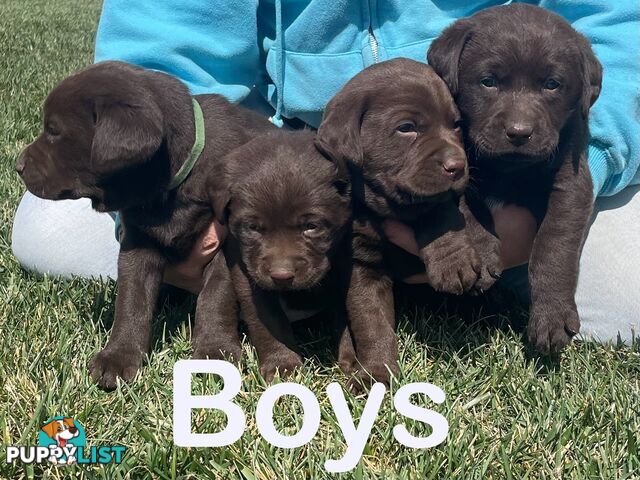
(407, 127)
(551, 84)
(489, 82)
(310, 229)
(253, 227)
(52, 130)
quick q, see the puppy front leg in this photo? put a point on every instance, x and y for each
(452, 264)
(139, 277)
(371, 312)
(339, 319)
(215, 333)
(555, 258)
(479, 227)
(343, 342)
(269, 329)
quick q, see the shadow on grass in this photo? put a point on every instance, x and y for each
(448, 324)
(173, 308)
(455, 324)
(452, 321)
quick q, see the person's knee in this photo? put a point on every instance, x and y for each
(64, 238)
(607, 295)
(609, 305)
(610, 320)
(25, 238)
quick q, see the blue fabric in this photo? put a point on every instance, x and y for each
(116, 224)
(300, 62)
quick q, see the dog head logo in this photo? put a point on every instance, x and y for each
(62, 432)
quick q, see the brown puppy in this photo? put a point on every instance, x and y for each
(524, 80)
(395, 128)
(287, 211)
(118, 134)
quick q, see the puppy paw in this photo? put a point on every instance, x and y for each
(455, 272)
(364, 377)
(489, 272)
(283, 363)
(217, 349)
(347, 360)
(348, 364)
(113, 363)
(552, 329)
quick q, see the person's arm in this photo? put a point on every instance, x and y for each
(515, 226)
(210, 45)
(613, 28)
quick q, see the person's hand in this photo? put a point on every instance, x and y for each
(516, 227)
(188, 273)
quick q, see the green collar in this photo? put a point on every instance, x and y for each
(196, 150)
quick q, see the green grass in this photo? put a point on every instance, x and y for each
(511, 414)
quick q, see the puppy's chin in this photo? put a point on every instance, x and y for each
(299, 282)
(512, 161)
(100, 206)
(46, 194)
(105, 201)
(503, 154)
(432, 187)
(408, 197)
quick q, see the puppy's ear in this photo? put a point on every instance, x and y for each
(444, 53)
(338, 136)
(125, 134)
(50, 428)
(220, 200)
(591, 77)
(219, 196)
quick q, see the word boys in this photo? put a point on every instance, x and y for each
(355, 436)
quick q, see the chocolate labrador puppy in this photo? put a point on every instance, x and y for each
(120, 135)
(287, 211)
(395, 129)
(524, 81)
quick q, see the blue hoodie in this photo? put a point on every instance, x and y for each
(299, 53)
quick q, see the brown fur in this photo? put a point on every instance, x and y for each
(117, 134)
(524, 81)
(394, 129)
(287, 212)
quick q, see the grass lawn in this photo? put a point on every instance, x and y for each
(511, 414)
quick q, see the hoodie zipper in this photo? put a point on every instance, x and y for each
(373, 41)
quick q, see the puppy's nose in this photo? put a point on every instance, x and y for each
(519, 133)
(454, 168)
(281, 274)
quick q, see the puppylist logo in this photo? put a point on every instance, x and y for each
(63, 441)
